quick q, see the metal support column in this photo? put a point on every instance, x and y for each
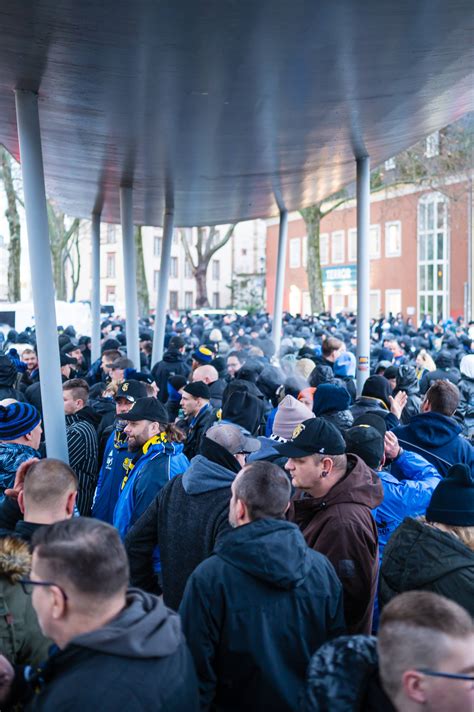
(129, 275)
(280, 281)
(363, 271)
(162, 296)
(95, 292)
(41, 273)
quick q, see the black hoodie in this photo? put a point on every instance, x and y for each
(173, 364)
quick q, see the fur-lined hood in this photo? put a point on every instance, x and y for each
(15, 559)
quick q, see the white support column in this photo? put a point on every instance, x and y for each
(95, 291)
(129, 275)
(280, 281)
(363, 272)
(162, 296)
(41, 273)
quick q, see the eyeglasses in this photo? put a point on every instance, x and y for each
(449, 675)
(27, 586)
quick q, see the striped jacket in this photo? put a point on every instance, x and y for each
(83, 449)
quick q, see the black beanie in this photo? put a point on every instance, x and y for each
(378, 387)
(452, 502)
(198, 389)
(244, 409)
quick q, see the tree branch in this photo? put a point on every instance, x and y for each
(187, 248)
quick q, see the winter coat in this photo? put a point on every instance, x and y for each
(367, 404)
(438, 439)
(466, 406)
(261, 585)
(173, 364)
(196, 505)
(11, 457)
(340, 525)
(439, 374)
(341, 419)
(11, 392)
(408, 382)
(139, 662)
(110, 478)
(343, 677)
(423, 558)
(331, 402)
(83, 449)
(21, 640)
(147, 474)
(407, 491)
(216, 389)
(196, 429)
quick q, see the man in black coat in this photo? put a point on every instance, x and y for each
(195, 505)
(115, 648)
(195, 401)
(255, 611)
(173, 364)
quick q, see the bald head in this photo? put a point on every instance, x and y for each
(207, 374)
(49, 492)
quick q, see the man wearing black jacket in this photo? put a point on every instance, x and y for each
(173, 364)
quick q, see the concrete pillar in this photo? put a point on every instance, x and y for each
(280, 281)
(162, 296)
(95, 292)
(129, 275)
(363, 272)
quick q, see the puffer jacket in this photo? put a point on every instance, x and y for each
(423, 558)
(408, 382)
(11, 457)
(21, 640)
(466, 406)
(332, 402)
(343, 675)
(341, 419)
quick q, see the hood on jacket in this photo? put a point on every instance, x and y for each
(271, 550)
(144, 629)
(203, 475)
(330, 397)
(173, 357)
(88, 414)
(428, 429)
(15, 559)
(407, 380)
(378, 387)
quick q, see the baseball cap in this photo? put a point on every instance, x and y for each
(366, 442)
(122, 363)
(147, 409)
(131, 390)
(232, 438)
(312, 437)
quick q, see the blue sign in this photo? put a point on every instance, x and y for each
(345, 274)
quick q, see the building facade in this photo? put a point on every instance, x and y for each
(419, 254)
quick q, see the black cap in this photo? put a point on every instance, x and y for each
(67, 360)
(366, 442)
(374, 420)
(313, 436)
(147, 409)
(131, 390)
(198, 389)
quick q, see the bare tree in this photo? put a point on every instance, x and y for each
(14, 227)
(142, 287)
(62, 240)
(209, 241)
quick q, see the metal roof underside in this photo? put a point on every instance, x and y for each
(227, 109)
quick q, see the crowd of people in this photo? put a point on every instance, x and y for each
(238, 528)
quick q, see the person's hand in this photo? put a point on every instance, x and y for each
(20, 478)
(7, 673)
(398, 403)
(391, 446)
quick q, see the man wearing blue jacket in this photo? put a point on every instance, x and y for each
(116, 452)
(155, 460)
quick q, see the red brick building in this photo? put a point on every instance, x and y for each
(418, 246)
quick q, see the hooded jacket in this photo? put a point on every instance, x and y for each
(11, 457)
(196, 505)
(83, 450)
(139, 662)
(423, 558)
(438, 439)
(173, 364)
(196, 429)
(343, 676)
(21, 640)
(331, 402)
(110, 478)
(254, 612)
(341, 526)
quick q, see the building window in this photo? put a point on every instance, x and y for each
(433, 257)
(295, 253)
(393, 239)
(393, 301)
(304, 251)
(432, 145)
(111, 237)
(374, 242)
(375, 303)
(216, 300)
(324, 248)
(156, 279)
(337, 246)
(352, 245)
(390, 164)
(188, 300)
(173, 300)
(216, 269)
(110, 265)
(110, 294)
(338, 302)
(156, 246)
(295, 299)
(188, 269)
(174, 267)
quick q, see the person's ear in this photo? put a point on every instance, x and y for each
(21, 501)
(70, 502)
(58, 603)
(414, 686)
(328, 465)
(240, 510)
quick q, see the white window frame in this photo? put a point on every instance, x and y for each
(434, 263)
(375, 293)
(324, 253)
(352, 245)
(389, 293)
(388, 225)
(375, 255)
(294, 253)
(338, 234)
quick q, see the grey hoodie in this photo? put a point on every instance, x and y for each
(205, 476)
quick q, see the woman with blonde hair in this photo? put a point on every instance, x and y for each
(424, 364)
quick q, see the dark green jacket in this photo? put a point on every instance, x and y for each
(419, 557)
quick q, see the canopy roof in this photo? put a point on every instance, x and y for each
(227, 109)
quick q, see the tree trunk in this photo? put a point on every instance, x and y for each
(142, 287)
(14, 227)
(312, 217)
(201, 285)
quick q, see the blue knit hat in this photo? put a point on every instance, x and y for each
(452, 502)
(203, 355)
(17, 419)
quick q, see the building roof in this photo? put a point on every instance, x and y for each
(227, 109)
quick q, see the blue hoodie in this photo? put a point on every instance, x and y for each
(111, 475)
(437, 438)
